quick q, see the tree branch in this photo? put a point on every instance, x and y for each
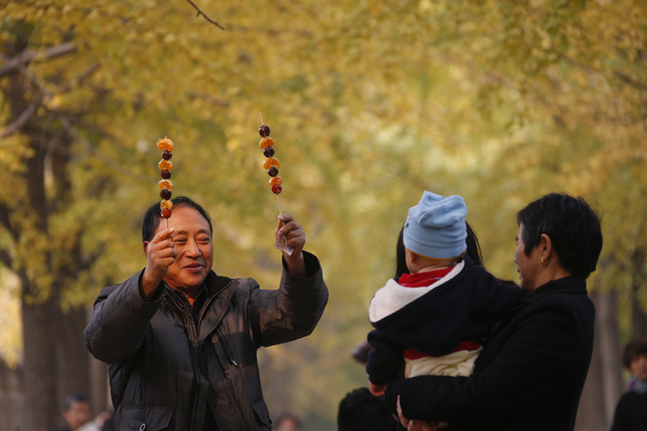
(69, 127)
(27, 56)
(89, 71)
(20, 121)
(6, 222)
(6, 259)
(205, 17)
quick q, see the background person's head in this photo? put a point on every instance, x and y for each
(361, 411)
(288, 422)
(634, 357)
(76, 411)
(572, 226)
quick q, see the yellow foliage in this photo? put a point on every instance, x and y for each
(370, 102)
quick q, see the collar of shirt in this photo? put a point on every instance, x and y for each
(423, 279)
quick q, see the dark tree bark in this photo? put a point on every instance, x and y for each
(56, 362)
(609, 350)
(39, 367)
(638, 315)
(603, 385)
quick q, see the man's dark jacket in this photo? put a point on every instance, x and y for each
(162, 376)
(529, 375)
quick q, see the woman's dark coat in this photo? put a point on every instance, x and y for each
(529, 375)
(160, 381)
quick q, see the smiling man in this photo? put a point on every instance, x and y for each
(181, 340)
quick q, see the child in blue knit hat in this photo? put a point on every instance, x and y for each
(434, 319)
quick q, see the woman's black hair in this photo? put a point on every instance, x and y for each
(572, 226)
(153, 218)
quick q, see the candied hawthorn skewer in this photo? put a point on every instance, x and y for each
(165, 184)
(272, 165)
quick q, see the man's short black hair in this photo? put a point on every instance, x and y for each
(359, 410)
(153, 217)
(572, 226)
(633, 350)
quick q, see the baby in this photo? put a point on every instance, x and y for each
(434, 319)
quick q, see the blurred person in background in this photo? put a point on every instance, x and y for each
(77, 413)
(361, 411)
(631, 411)
(288, 422)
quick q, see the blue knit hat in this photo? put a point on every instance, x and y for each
(436, 226)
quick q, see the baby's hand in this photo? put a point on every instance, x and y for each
(376, 390)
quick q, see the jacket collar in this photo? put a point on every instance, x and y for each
(570, 284)
(221, 289)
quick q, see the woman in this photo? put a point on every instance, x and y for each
(531, 371)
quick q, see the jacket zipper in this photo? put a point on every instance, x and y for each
(228, 351)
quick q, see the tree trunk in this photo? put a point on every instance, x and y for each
(41, 409)
(638, 315)
(590, 414)
(603, 385)
(609, 349)
(71, 353)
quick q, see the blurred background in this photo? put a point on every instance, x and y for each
(369, 102)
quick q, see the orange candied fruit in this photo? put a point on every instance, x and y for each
(166, 204)
(266, 142)
(276, 180)
(165, 164)
(165, 144)
(271, 161)
(165, 184)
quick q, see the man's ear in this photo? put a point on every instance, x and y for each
(146, 247)
(545, 246)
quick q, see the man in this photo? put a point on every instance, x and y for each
(181, 341)
(532, 369)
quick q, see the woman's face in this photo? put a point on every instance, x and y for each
(638, 367)
(528, 267)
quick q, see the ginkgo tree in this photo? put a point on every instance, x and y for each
(369, 103)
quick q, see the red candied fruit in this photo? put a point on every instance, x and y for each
(277, 188)
(165, 144)
(268, 151)
(167, 155)
(165, 164)
(166, 213)
(273, 171)
(165, 184)
(266, 142)
(272, 161)
(264, 130)
(166, 194)
(165, 173)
